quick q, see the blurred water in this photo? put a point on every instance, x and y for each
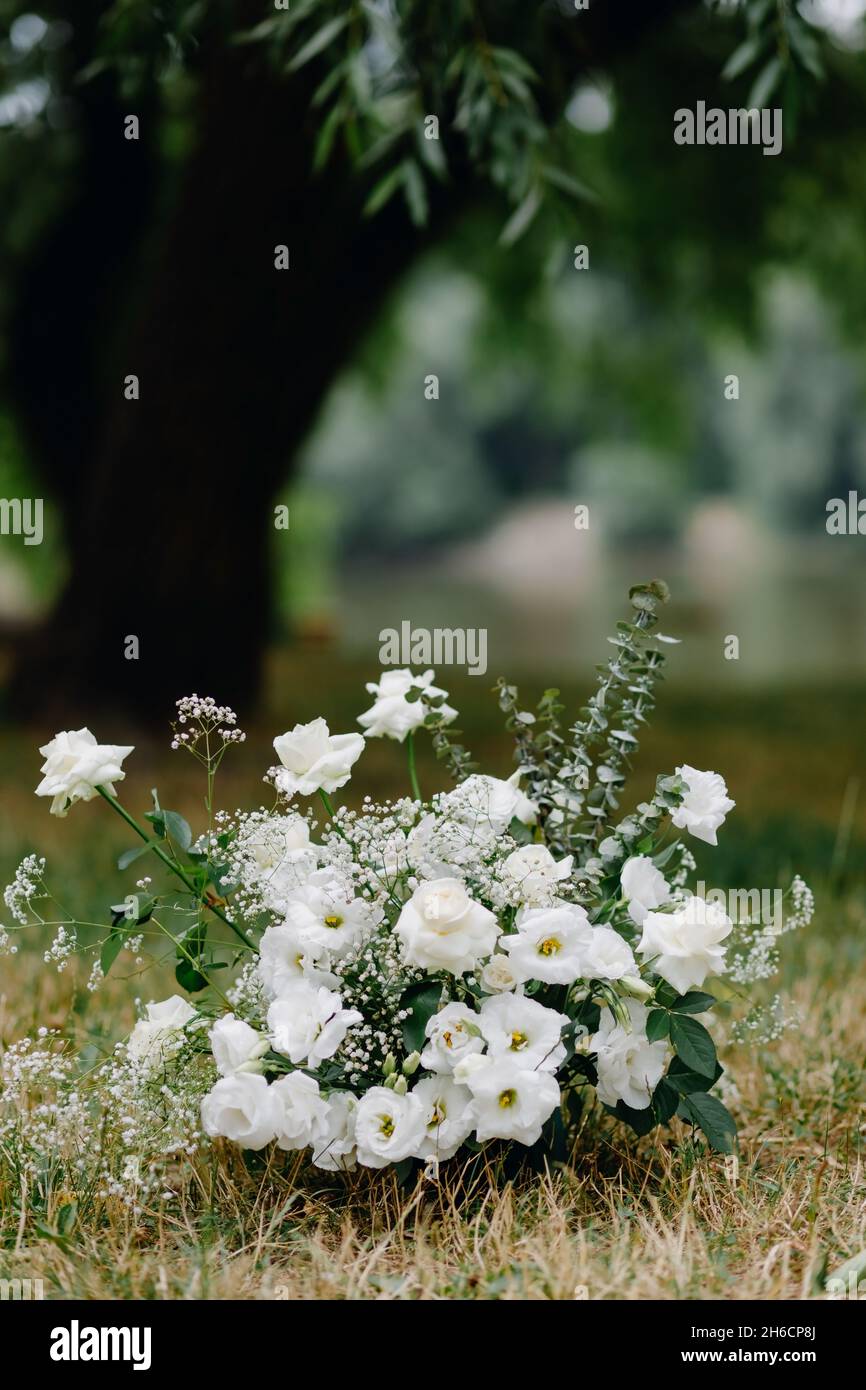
(548, 597)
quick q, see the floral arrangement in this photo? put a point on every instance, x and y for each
(411, 979)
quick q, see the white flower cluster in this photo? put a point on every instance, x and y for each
(430, 972)
(423, 973)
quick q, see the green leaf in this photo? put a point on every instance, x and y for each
(743, 57)
(665, 1101)
(129, 856)
(319, 41)
(423, 1000)
(657, 1025)
(383, 191)
(711, 1116)
(693, 1044)
(695, 1002)
(111, 948)
(177, 828)
(766, 83)
(568, 184)
(641, 1121)
(687, 1081)
(66, 1218)
(520, 219)
(519, 832)
(188, 977)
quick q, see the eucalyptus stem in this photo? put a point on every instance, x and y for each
(170, 864)
(413, 774)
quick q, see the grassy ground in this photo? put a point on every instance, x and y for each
(629, 1219)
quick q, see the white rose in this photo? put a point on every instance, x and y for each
(393, 716)
(705, 804)
(448, 1116)
(525, 1030)
(241, 1108)
(314, 759)
(334, 1148)
(286, 955)
(388, 1127)
(442, 928)
(535, 872)
(308, 1024)
(159, 1033)
(549, 944)
(75, 765)
(236, 1046)
(498, 975)
(629, 1066)
(643, 886)
(453, 1033)
(684, 947)
(606, 956)
(510, 1102)
(301, 1111)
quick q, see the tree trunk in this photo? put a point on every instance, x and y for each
(169, 525)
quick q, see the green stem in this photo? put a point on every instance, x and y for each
(413, 775)
(170, 864)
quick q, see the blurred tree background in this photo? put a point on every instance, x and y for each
(557, 387)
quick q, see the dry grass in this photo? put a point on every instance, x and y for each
(628, 1220)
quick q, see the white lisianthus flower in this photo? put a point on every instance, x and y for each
(241, 1108)
(629, 1066)
(393, 716)
(490, 800)
(511, 1102)
(469, 1065)
(498, 975)
(287, 954)
(448, 1116)
(153, 1035)
(328, 917)
(535, 872)
(705, 804)
(75, 765)
(549, 944)
(685, 947)
(643, 887)
(236, 1046)
(301, 1110)
(313, 759)
(334, 1147)
(308, 1024)
(514, 1026)
(607, 957)
(442, 928)
(453, 1033)
(388, 1127)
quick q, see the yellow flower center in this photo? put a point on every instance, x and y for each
(549, 947)
(334, 921)
(507, 1098)
(518, 1041)
(438, 1115)
(386, 1126)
